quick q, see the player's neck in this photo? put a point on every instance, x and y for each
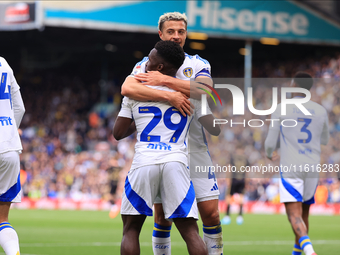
(171, 73)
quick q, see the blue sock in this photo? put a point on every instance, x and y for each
(213, 238)
(212, 229)
(161, 242)
(303, 241)
(306, 245)
(296, 250)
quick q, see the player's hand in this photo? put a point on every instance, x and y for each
(153, 78)
(181, 102)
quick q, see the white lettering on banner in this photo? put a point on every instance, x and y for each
(211, 15)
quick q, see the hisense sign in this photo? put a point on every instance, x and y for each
(210, 14)
(288, 21)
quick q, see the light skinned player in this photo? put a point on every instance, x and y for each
(11, 112)
(173, 27)
(160, 163)
(299, 145)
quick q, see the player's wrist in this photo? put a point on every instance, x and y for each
(166, 96)
(169, 81)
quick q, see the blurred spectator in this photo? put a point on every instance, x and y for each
(321, 194)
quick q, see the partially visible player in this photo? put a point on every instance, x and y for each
(160, 164)
(173, 27)
(236, 185)
(113, 172)
(11, 112)
(299, 146)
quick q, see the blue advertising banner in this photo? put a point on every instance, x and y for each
(285, 20)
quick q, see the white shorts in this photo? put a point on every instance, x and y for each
(204, 180)
(170, 181)
(10, 188)
(298, 187)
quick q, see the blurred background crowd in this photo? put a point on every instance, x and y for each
(69, 150)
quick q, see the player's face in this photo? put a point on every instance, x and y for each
(154, 62)
(174, 30)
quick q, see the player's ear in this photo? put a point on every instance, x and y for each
(160, 67)
(160, 34)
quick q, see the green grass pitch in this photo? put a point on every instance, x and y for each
(43, 232)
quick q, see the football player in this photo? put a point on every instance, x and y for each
(11, 112)
(299, 146)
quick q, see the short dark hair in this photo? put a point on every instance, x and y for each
(303, 80)
(170, 52)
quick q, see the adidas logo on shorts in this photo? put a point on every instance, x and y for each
(214, 187)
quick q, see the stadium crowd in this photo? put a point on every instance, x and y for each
(69, 150)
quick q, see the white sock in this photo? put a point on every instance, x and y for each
(9, 240)
(308, 249)
(161, 242)
(214, 243)
(161, 246)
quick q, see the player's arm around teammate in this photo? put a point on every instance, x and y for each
(11, 112)
(133, 88)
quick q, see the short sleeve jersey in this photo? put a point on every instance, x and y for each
(9, 136)
(161, 132)
(192, 67)
(301, 144)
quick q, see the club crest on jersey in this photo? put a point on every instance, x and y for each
(137, 70)
(187, 72)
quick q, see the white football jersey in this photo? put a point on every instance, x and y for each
(197, 139)
(161, 131)
(9, 136)
(192, 67)
(300, 145)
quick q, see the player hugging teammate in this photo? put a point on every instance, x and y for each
(173, 27)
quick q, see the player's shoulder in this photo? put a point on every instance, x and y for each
(3, 61)
(318, 107)
(127, 100)
(196, 58)
(144, 60)
(5, 66)
(139, 67)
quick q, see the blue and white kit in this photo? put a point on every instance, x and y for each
(299, 146)
(11, 113)
(205, 188)
(160, 163)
